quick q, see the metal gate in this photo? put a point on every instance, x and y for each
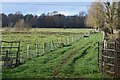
(10, 53)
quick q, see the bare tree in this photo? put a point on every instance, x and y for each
(104, 15)
(19, 26)
(118, 16)
(95, 16)
(110, 9)
(22, 26)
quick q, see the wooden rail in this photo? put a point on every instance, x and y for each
(107, 62)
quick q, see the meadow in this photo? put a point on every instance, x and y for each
(44, 38)
(77, 59)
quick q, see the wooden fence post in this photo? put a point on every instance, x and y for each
(79, 36)
(61, 40)
(50, 46)
(53, 45)
(115, 61)
(98, 54)
(43, 48)
(72, 38)
(28, 51)
(75, 38)
(102, 52)
(47, 47)
(57, 43)
(67, 40)
(37, 49)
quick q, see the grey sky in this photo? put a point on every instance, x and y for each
(67, 8)
(47, 0)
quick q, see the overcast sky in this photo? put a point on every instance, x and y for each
(67, 8)
(47, 0)
(37, 7)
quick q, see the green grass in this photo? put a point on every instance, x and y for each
(79, 60)
(39, 36)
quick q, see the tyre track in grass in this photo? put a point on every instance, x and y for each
(70, 66)
(46, 61)
(65, 57)
(84, 54)
(68, 58)
(72, 56)
(50, 58)
(68, 48)
(61, 53)
(87, 66)
(85, 51)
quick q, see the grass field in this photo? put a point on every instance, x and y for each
(78, 60)
(40, 36)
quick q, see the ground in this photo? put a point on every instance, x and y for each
(77, 60)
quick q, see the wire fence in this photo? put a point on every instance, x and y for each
(37, 49)
(32, 50)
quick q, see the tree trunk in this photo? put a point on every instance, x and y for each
(111, 30)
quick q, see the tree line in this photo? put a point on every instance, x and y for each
(50, 20)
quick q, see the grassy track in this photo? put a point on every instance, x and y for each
(78, 60)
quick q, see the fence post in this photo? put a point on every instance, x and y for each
(76, 37)
(98, 53)
(43, 48)
(102, 58)
(79, 36)
(53, 47)
(115, 61)
(28, 51)
(37, 49)
(61, 40)
(57, 43)
(49, 46)
(72, 38)
(67, 40)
